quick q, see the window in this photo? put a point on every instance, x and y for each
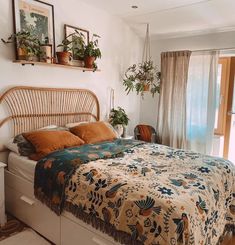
(222, 95)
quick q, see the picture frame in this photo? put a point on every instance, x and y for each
(36, 17)
(68, 30)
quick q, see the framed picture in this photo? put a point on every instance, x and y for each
(71, 30)
(36, 17)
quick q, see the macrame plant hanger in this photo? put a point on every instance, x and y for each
(147, 49)
(111, 99)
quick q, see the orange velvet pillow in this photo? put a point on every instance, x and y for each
(94, 132)
(46, 142)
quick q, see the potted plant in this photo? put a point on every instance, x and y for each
(92, 52)
(142, 77)
(72, 43)
(78, 45)
(28, 46)
(64, 56)
(119, 119)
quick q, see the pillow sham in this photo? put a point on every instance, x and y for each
(46, 142)
(72, 125)
(23, 147)
(94, 132)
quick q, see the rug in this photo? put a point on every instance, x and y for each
(26, 237)
(12, 227)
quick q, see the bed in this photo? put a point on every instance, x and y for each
(148, 194)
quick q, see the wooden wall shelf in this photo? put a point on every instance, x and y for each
(24, 62)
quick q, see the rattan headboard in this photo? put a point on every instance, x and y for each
(30, 108)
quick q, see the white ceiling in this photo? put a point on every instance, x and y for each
(173, 18)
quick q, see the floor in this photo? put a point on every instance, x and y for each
(12, 227)
(16, 232)
(25, 237)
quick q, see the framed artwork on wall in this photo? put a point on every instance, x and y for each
(36, 17)
(71, 33)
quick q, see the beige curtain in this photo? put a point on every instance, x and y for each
(172, 104)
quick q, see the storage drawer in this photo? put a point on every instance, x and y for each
(18, 183)
(33, 213)
(80, 235)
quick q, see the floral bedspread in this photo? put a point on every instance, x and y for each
(155, 195)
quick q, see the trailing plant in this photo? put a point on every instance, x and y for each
(25, 41)
(118, 116)
(140, 76)
(92, 49)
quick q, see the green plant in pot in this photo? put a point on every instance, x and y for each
(64, 56)
(27, 45)
(119, 120)
(72, 43)
(78, 45)
(142, 77)
(92, 52)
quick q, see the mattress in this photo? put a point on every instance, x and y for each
(21, 166)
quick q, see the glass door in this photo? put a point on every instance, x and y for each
(231, 152)
(224, 133)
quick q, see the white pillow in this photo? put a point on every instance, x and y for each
(12, 146)
(71, 125)
(48, 127)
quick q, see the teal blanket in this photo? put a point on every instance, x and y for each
(53, 172)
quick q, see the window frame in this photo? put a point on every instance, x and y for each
(221, 125)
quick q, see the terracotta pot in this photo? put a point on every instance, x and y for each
(146, 87)
(63, 58)
(22, 54)
(89, 61)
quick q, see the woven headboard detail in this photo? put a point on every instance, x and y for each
(30, 108)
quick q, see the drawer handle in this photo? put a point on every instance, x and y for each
(27, 200)
(98, 241)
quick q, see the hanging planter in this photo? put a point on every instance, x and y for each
(143, 77)
(146, 87)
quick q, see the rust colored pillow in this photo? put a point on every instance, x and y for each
(46, 142)
(94, 132)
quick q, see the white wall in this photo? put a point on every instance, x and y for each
(119, 45)
(148, 108)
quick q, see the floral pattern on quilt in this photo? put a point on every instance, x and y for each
(158, 195)
(152, 194)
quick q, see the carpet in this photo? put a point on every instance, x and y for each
(26, 237)
(12, 227)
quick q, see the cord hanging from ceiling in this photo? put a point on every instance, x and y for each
(143, 77)
(147, 48)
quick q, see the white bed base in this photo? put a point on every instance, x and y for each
(61, 230)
